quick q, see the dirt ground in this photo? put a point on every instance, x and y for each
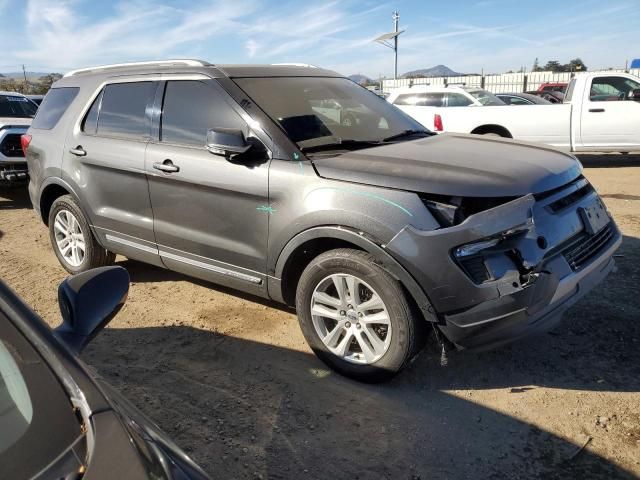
(231, 379)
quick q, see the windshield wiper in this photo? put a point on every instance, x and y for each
(408, 133)
(340, 145)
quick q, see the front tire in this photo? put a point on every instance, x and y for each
(72, 240)
(356, 317)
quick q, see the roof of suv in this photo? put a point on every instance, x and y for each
(196, 66)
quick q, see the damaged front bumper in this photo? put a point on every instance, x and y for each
(550, 253)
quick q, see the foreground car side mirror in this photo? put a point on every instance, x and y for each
(635, 95)
(227, 142)
(88, 301)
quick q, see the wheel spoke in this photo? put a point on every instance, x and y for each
(381, 318)
(323, 311)
(331, 338)
(338, 282)
(60, 226)
(367, 351)
(343, 347)
(374, 303)
(377, 343)
(65, 249)
(325, 299)
(352, 287)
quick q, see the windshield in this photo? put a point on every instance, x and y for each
(315, 110)
(17, 106)
(486, 98)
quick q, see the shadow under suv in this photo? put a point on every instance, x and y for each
(293, 183)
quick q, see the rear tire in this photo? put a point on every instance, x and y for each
(369, 327)
(72, 239)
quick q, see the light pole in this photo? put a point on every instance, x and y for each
(384, 40)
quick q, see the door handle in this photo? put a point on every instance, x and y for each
(78, 151)
(167, 166)
(596, 110)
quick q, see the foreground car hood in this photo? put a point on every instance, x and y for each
(456, 165)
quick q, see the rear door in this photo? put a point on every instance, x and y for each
(211, 215)
(104, 162)
(609, 119)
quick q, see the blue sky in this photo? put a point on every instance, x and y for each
(467, 36)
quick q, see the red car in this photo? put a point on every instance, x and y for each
(553, 87)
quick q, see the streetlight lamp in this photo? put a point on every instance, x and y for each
(387, 37)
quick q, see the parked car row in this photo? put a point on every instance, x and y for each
(600, 113)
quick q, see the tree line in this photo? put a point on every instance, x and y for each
(575, 65)
(29, 87)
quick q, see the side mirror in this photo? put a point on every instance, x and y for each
(226, 142)
(88, 301)
(635, 95)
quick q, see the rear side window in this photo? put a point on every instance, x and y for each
(123, 108)
(420, 99)
(53, 106)
(190, 109)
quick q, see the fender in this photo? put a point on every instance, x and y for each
(62, 183)
(369, 245)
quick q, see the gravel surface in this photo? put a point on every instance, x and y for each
(231, 379)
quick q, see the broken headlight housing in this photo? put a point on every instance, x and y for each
(450, 211)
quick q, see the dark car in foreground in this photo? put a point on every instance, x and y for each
(57, 418)
(376, 229)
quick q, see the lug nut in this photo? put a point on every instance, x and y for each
(358, 326)
(349, 307)
(343, 313)
(347, 325)
(360, 314)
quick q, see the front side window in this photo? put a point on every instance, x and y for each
(612, 89)
(17, 106)
(327, 111)
(53, 106)
(190, 109)
(123, 110)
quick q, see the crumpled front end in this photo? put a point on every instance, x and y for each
(512, 269)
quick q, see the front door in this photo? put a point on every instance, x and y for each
(610, 119)
(211, 213)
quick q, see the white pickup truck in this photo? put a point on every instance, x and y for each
(16, 113)
(600, 113)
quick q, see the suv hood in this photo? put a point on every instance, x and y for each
(455, 165)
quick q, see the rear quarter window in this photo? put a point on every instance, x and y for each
(53, 106)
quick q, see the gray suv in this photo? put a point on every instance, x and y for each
(293, 183)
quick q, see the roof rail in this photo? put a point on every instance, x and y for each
(294, 65)
(188, 63)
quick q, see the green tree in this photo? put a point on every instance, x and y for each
(575, 65)
(44, 83)
(553, 66)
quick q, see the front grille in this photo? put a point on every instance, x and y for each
(584, 247)
(11, 146)
(476, 269)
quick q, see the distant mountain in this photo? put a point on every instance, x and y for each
(437, 71)
(360, 79)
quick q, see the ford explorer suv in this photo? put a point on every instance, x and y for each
(377, 231)
(16, 113)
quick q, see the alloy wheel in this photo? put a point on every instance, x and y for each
(69, 238)
(351, 319)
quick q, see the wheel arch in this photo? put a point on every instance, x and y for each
(53, 189)
(305, 246)
(492, 128)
